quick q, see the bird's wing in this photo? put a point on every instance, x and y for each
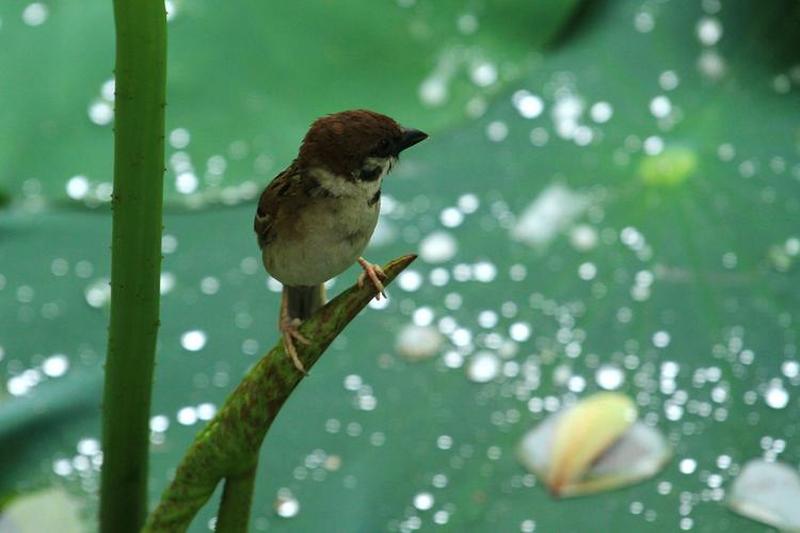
(269, 203)
(289, 191)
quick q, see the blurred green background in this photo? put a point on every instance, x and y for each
(609, 199)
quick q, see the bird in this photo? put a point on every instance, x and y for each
(315, 218)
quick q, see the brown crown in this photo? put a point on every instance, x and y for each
(340, 142)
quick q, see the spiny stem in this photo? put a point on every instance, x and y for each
(141, 57)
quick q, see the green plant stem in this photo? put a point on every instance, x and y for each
(228, 446)
(234, 509)
(135, 260)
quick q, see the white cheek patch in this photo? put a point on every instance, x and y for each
(341, 186)
(355, 188)
(385, 164)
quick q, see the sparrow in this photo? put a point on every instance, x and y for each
(315, 218)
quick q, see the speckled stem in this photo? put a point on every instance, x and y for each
(234, 509)
(140, 70)
(228, 446)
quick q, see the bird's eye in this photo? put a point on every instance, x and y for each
(383, 148)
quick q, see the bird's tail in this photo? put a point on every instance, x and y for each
(303, 301)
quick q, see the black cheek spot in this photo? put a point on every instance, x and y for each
(374, 200)
(370, 174)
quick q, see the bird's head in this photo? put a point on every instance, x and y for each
(359, 146)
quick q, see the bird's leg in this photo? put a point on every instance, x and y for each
(288, 328)
(374, 273)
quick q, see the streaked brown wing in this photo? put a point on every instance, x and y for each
(269, 202)
(289, 191)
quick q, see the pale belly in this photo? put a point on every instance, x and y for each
(337, 241)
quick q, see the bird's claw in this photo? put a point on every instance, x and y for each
(290, 333)
(374, 273)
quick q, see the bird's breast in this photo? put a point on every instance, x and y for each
(326, 237)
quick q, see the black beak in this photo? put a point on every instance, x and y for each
(410, 138)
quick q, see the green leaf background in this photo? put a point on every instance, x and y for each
(697, 238)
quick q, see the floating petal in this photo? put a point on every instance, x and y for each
(768, 492)
(584, 433)
(594, 446)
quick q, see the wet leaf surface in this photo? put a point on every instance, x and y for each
(673, 128)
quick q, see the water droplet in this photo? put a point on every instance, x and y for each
(62, 467)
(77, 187)
(709, 31)
(409, 280)
(193, 340)
(353, 382)
(159, 423)
(98, 293)
(35, 14)
(166, 282)
(101, 112)
(108, 89)
(609, 377)
(653, 145)
(660, 106)
(209, 285)
(519, 331)
(711, 64)
(483, 367)
(187, 416)
(587, 271)
(644, 22)
(88, 446)
(661, 339)
(441, 517)
(438, 247)
(476, 107)
(528, 105)
(286, 505)
(451, 217)
(487, 319)
(484, 74)
(453, 359)
(790, 369)
(776, 396)
(206, 411)
(56, 365)
(484, 271)
(566, 113)
(423, 501)
(687, 466)
(467, 23)
(539, 137)
(583, 237)
(444, 442)
(601, 112)
(186, 183)
(668, 80)
(497, 131)
(423, 316)
(179, 138)
(433, 91)
(418, 342)
(468, 203)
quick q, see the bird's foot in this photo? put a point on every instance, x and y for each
(374, 273)
(288, 328)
